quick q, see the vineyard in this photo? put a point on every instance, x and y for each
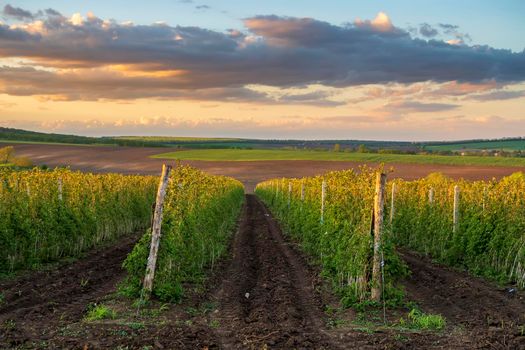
(48, 215)
(488, 237)
(331, 216)
(344, 274)
(199, 215)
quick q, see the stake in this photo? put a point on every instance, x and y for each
(484, 196)
(60, 189)
(156, 230)
(392, 208)
(456, 209)
(379, 202)
(323, 196)
(289, 194)
(431, 195)
(302, 190)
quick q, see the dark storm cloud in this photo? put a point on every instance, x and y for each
(272, 50)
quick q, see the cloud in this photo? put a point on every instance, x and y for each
(418, 107)
(317, 98)
(381, 23)
(365, 119)
(427, 30)
(289, 126)
(88, 57)
(202, 7)
(17, 13)
(498, 95)
(459, 38)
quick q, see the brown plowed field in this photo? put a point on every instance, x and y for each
(137, 161)
(263, 296)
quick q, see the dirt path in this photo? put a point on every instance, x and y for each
(267, 296)
(492, 317)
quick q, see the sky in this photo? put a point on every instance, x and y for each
(296, 69)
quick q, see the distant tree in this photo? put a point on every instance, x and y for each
(7, 154)
(337, 147)
(362, 149)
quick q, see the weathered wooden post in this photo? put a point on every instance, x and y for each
(156, 230)
(431, 195)
(455, 218)
(60, 197)
(289, 193)
(392, 206)
(379, 202)
(323, 196)
(302, 190)
(484, 197)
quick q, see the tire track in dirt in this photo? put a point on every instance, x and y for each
(493, 317)
(267, 297)
(43, 299)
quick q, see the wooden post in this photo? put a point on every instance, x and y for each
(392, 206)
(431, 195)
(156, 230)
(484, 197)
(456, 209)
(289, 193)
(379, 202)
(60, 197)
(323, 196)
(302, 190)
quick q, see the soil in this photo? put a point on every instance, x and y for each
(494, 317)
(44, 299)
(136, 161)
(264, 295)
(267, 296)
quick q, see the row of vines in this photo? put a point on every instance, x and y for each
(200, 213)
(48, 215)
(489, 238)
(336, 232)
(334, 226)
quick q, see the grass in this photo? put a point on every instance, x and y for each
(100, 312)
(506, 145)
(267, 154)
(419, 320)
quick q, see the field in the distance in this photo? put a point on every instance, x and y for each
(138, 160)
(505, 145)
(267, 154)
